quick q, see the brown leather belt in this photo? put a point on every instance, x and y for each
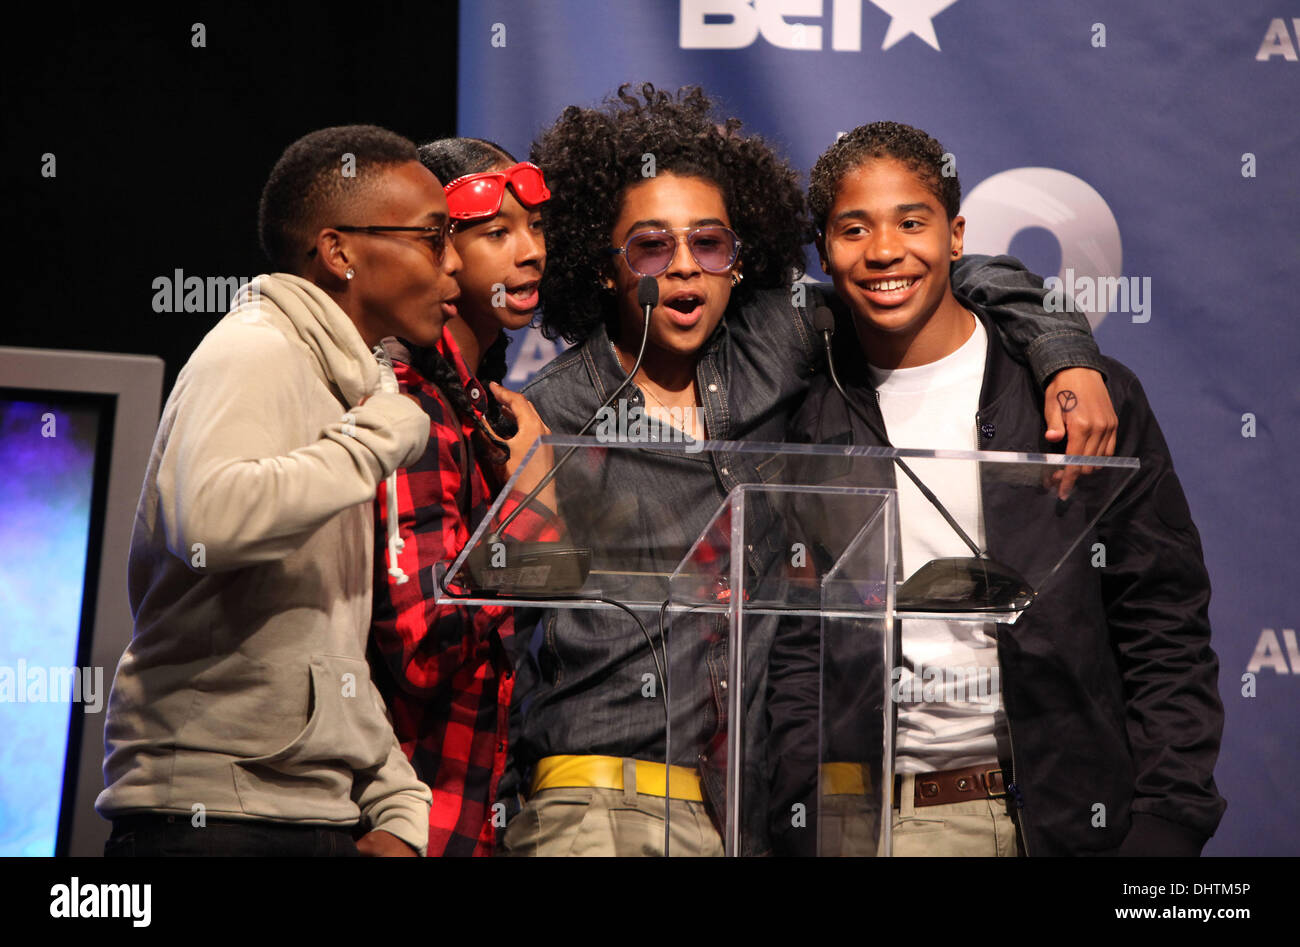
(947, 786)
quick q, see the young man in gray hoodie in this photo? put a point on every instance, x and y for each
(242, 719)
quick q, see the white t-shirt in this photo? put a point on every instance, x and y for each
(949, 692)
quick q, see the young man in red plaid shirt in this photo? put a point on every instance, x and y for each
(447, 671)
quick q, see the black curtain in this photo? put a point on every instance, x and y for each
(161, 147)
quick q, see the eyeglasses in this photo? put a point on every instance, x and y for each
(437, 236)
(650, 253)
(475, 196)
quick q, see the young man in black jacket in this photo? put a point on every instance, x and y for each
(1107, 682)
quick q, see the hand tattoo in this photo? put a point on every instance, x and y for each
(1068, 401)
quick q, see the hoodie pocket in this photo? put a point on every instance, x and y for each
(311, 776)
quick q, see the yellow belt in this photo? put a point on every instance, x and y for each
(606, 772)
(845, 779)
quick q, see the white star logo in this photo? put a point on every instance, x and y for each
(912, 16)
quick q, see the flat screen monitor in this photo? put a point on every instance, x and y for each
(75, 434)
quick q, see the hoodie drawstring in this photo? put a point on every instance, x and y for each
(388, 383)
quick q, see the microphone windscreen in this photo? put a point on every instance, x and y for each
(823, 321)
(647, 292)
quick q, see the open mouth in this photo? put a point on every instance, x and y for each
(890, 285)
(448, 306)
(684, 309)
(524, 297)
(889, 290)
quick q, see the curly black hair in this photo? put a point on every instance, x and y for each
(310, 186)
(590, 156)
(913, 147)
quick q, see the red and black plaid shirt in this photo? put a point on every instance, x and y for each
(445, 670)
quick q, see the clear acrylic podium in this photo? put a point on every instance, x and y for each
(773, 614)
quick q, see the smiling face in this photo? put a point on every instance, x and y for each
(503, 259)
(888, 245)
(691, 300)
(399, 287)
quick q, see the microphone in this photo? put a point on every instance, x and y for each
(823, 321)
(978, 584)
(549, 566)
(647, 293)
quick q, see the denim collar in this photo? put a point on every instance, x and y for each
(607, 373)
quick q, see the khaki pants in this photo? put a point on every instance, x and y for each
(979, 828)
(616, 822)
(608, 822)
(850, 827)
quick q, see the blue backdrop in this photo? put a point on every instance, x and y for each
(1152, 150)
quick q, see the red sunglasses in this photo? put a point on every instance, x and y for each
(475, 196)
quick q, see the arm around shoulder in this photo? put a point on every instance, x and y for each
(1051, 337)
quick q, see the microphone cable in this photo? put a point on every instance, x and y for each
(824, 323)
(647, 297)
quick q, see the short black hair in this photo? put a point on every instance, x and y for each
(308, 188)
(452, 158)
(591, 156)
(913, 147)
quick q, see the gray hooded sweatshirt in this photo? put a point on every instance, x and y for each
(245, 688)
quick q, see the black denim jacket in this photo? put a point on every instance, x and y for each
(585, 693)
